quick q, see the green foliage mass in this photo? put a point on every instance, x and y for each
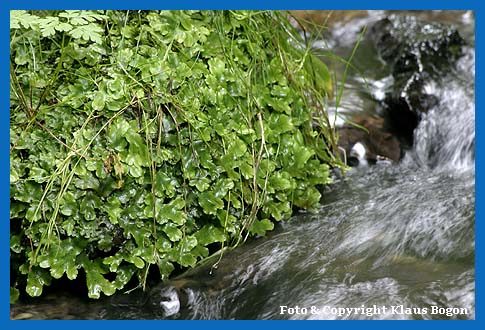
(146, 138)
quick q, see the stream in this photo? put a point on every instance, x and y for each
(390, 241)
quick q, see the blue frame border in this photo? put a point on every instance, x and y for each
(5, 6)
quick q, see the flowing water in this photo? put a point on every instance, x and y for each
(390, 241)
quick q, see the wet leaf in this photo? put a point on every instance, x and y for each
(278, 210)
(27, 192)
(116, 134)
(165, 185)
(138, 154)
(260, 227)
(36, 280)
(210, 203)
(87, 32)
(165, 268)
(237, 148)
(173, 233)
(89, 204)
(209, 234)
(113, 208)
(173, 211)
(99, 101)
(281, 181)
(123, 276)
(68, 205)
(88, 181)
(163, 245)
(280, 123)
(61, 258)
(302, 155)
(187, 260)
(201, 184)
(138, 262)
(95, 280)
(216, 66)
(14, 295)
(15, 243)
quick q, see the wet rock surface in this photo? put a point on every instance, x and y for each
(417, 52)
(377, 141)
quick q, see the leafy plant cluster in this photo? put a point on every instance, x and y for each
(155, 138)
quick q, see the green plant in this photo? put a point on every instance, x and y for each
(155, 138)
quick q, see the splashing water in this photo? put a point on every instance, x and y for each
(445, 137)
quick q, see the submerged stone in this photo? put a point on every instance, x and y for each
(377, 143)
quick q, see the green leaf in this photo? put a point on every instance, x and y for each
(302, 155)
(138, 262)
(82, 17)
(15, 243)
(216, 66)
(113, 208)
(63, 27)
(281, 181)
(278, 210)
(165, 268)
(68, 204)
(38, 174)
(123, 276)
(95, 280)
(20, 18)
(33, 213)
(183, 254)
(222, 187)
(36, 280)
(187, 244)
(138, 154)
(116, 134)
(322, 76)
(210, 203)
(163, 245)
(202, 184)
(87, 32)
(166, 185)
(14, 295)
(260, 227)
(14, 175)
(173, 233)
(209, 234)
(75, 17)
(48, 26)
(172, 211)
(89, 204)
(237, 148)
(187, 260)
(99, 101)
(307, 198)
(280, 123)
(88, 181)
(69, 225)
(27, 192)
(61, 258)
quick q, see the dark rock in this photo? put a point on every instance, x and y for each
(417, 52)
(377, 141)
(411, 46)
